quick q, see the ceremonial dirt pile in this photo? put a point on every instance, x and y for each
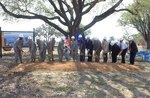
(76, 66)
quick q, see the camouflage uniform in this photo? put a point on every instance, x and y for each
(42, 50)
(60, 50)
(32, 50)
(50, 48)
(97, 48)
(74, 50)
(18, 50)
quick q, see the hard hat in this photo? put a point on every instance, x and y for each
(104, 38)
(121, 39)
(80, 36)
(53, 36)
(29, 37)
(72, 37)
(88, 37)
(20, 35)
(130, 38)
(37, 37)
(63, 38)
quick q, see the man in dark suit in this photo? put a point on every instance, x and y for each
(133, 50)
(115, 49)
(82, 48)
(89, 46)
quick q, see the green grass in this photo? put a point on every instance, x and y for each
(67, 88)
(98, 81)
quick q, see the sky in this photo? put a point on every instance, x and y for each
(105, 28)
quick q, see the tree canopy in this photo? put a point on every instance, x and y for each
(68, 13)
(140, 20)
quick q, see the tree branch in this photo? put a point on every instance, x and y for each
(91, 5)
(102, 16)
(126, 10)
(44, 18)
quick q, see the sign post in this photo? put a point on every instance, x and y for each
(33, 34)
(0, 43)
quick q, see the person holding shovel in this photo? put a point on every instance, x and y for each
(50, 48)
(82, 48)
(32, 49)
(42, 49)
(60, 49)
(74, 49)
(97, 49)
(105, 48)
(18, 48)
(89, 46)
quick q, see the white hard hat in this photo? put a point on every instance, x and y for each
(53, 36)
(104, 38)
(37, 37)
(121, 39)
(63, 38)
(80, 36)
(130, 38)
(20, 35)
(72, 37)
(112, 43)
(29, 37)
(88, 37)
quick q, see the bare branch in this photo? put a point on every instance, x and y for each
(35, 16)
(91, 5)
(126, 10)
(102, 16)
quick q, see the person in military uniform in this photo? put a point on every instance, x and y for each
(97, 49)
(115, 49)
(50, 48)
(18, 48)
(42, 49)
(32, 49)
(82, 48)
(132, 50)
(74, 49)
(89, 47)
(105, 48)
(60, 49)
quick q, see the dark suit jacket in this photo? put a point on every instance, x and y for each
(133, 47)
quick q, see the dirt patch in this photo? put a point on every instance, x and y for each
(75, 66)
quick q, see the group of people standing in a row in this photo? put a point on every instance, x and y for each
(76, 49)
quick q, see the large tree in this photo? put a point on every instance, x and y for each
(68, 13)
(140, 20)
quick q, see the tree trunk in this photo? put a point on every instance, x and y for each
(148, 44)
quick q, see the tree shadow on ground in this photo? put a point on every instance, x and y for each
(133, 83)
(17, 89)
(95, 84)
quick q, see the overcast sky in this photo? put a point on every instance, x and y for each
(105, 28)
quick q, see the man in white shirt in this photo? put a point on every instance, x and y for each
(123, 46)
